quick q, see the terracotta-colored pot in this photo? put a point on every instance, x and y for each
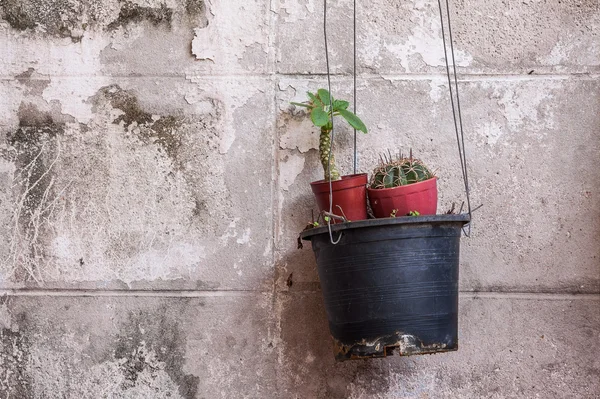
(420, 197)
(349, 193)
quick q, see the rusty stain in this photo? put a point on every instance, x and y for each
(404, 344)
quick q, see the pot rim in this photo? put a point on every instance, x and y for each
(344, 177)
(406, 186)
(463, 218)
(346, 182)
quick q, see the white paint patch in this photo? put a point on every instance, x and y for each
(294, 10)
(245, 238)
(295, 91)
(371, 47)
(157, 264)
(573, 51)
(556, 56)
(290, 167)
(527, 103)
(228, 33)
(297, 133)
(425, 41)
(236, 93)
(437, 88)
(268, 249)
(6, 167)
(5, 318)
(230, 232)
(300, 135)
(491, 131)
(61, 247)
(73, 94)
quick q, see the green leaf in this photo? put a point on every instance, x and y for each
(314, 99)
(340, 104)
(319, 117)
(324, 96)
(353, 120)
(301, 105)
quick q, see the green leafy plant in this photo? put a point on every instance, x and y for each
(413, 213)
(323, 108)
(400, 171)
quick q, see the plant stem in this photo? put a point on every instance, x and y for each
(324, 151)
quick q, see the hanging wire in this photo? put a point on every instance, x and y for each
(456, 110)
(331, 138)
(354, 76)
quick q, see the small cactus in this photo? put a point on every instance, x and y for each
(388, 176)
(399, 172)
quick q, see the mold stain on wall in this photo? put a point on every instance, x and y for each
(133, 13)
(150, 341)
(34, 148)
(69, 19)
(15, 381)
(161, 131)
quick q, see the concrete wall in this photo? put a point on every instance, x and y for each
(154, 180)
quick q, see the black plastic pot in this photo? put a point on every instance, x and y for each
(391, 284)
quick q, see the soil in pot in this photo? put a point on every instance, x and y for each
(349, 193)
(420, 197)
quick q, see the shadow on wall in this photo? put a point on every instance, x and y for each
(310, 370)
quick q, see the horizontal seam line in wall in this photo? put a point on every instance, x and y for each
(466, 77)
(529, 295)
(235, 293)
(129, 293)
(461, 76)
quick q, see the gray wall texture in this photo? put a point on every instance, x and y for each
(154, 178)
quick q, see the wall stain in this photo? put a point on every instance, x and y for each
(33, 155)
(162, 131)
(134, 13)
(157, 333)
(61, 18)
(196, 12)
(35, 83)
(64, 18)
(33, 148)
(15, 381)
(127, 102)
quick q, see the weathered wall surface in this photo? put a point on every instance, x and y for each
(153, 179)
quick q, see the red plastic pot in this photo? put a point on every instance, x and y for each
(420, 197)
(349, 193)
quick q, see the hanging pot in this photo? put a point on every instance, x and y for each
(390, 284)
(349, 193)
(420, 197)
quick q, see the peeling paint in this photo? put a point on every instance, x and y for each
(289, 168)
(213, 41)
(425, 42)
(526, 103)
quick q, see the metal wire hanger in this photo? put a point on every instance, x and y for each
(456, 110)
(455, 103)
